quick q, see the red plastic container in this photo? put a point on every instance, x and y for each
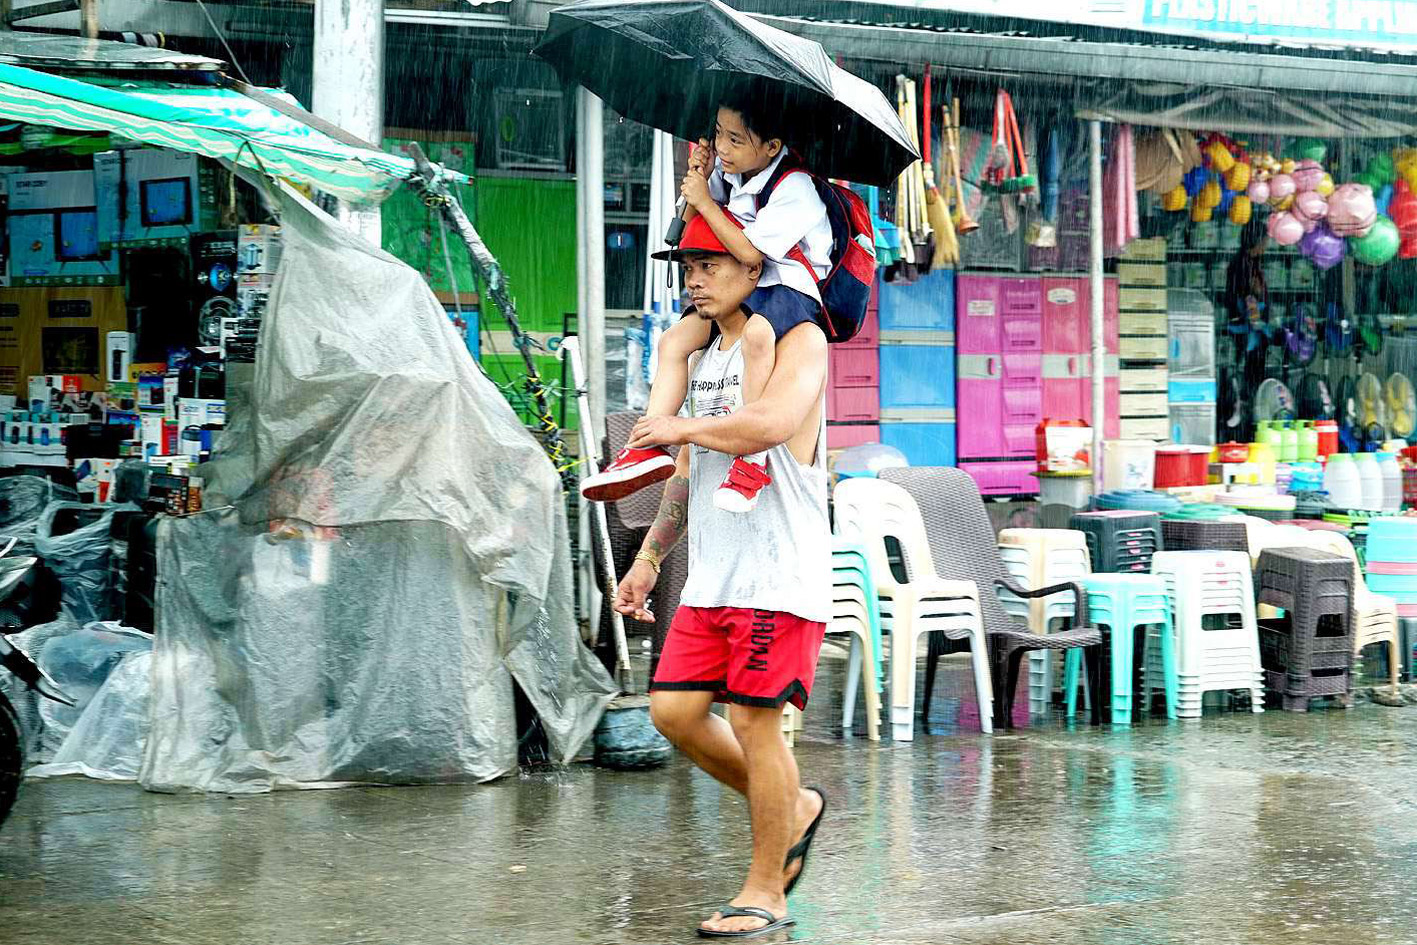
(1180, 466)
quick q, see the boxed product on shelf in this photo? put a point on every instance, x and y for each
(54, 229)
(153, 196)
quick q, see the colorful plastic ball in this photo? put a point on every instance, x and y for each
(1281, 186)
(1381, 167)
(1307, 176)
(1284, 229)
(1310, 149)
(1258, 191)
(1380, 244)
(1323, 247)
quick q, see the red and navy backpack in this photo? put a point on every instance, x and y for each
(846, 290)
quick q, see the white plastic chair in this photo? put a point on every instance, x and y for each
(1043, 557)
(870, 510)
(1207, 583)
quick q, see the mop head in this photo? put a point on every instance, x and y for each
(626, 739)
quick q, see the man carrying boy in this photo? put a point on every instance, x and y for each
(757, 598)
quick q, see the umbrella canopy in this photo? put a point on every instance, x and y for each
(668, 64)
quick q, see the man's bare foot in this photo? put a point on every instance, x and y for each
(809, 805)
(773, 902)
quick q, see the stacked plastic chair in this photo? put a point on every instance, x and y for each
(1126, 603)
(1308, 653)
(869, 511)
(1213, 618)
(856, 613)
(962, 543)
(1374, 616)
(1392, 561)
(1120, 541)
(1201, 534)
(1043, 557)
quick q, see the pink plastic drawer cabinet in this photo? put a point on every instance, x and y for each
(996, 314)
(927, 304)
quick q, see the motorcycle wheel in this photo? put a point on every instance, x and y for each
(12, 757)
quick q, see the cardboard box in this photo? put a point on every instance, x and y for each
(57, 330)
(160, 198)
(54, 231)
(258, 249)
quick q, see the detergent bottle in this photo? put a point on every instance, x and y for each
(1370, 479)
(1341, 482)
(1308, 441)
(1392, 482)
(1289, 443)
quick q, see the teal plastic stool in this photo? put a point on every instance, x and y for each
(850, 562)
(1125, 602)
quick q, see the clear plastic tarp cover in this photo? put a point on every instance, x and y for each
(395, 553)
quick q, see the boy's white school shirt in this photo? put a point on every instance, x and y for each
(794, 215)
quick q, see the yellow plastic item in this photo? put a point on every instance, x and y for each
(1174, 200)
(1220, 157)
(1239, 177)
(1240, 209)
(1210, 195)
(1200, 213)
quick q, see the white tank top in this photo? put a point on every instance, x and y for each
(776, 557)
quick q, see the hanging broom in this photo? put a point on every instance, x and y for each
(946, 243)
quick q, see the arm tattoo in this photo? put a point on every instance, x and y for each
(672, 519)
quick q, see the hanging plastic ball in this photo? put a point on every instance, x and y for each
(1258, 191)
(1380, 244)
(1284, 229)
(1281, 186)
(1240, 210)
(1323, 247)
(1383, 199)
(1352, 210)
(1381, 167)
(1307, 176)
(1309, 208)
(1311, 149)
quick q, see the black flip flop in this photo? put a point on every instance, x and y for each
(774, 924)
(804, 846)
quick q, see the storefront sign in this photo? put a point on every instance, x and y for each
(1367, 23)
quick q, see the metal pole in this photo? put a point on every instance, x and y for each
(1099, 328)
(88, 19)
(349, 84)
(592, 179)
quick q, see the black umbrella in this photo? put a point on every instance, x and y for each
(668, 64)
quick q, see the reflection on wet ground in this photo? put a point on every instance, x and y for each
(1234, 829)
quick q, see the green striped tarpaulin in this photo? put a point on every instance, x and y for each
(207, 120)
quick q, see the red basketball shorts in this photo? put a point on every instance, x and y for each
(749, 657)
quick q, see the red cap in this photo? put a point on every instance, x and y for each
(699, 237)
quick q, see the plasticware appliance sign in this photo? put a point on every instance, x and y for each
(1368, 23)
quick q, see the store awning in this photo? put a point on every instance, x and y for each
(1158, 84)
(265, 135)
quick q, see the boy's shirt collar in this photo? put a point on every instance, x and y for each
(755, 184)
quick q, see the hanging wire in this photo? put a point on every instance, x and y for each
(225, 45)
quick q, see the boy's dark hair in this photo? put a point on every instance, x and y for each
(759, 115)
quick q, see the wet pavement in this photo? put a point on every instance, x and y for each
(1234, 829)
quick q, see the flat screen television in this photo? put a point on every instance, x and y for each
(166, 202)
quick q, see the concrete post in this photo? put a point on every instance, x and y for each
(349, 83)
